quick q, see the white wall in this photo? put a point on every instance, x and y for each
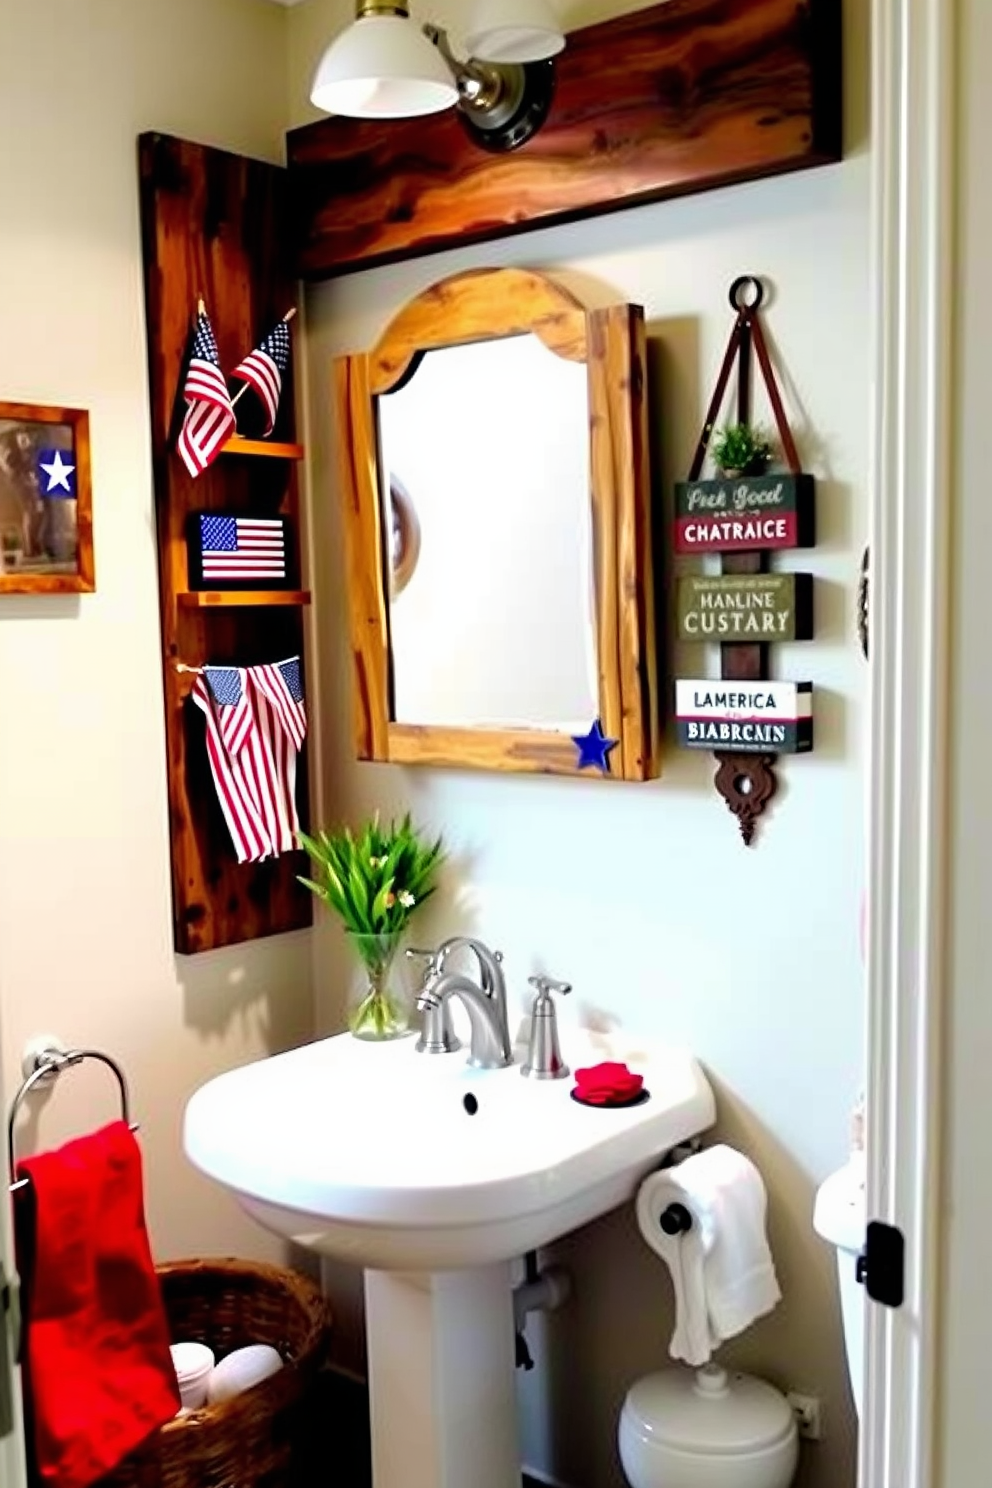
(85, 921)
(643, 896)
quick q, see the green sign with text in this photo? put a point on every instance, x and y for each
(745, 607)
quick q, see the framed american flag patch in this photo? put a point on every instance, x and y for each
(228, 551)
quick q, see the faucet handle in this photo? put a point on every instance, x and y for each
(544, 1061)
(438, 1036)
(546, 985)
(429, 959)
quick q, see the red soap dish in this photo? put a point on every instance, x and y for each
(615, 1102)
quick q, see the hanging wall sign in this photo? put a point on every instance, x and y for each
(745, 717)
(745, 514)
(745, 607)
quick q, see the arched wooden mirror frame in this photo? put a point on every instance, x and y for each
(484, 305)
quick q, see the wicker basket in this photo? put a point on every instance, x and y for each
(249, 1441)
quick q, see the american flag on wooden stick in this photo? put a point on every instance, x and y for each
(256, 725)
(234, 793)
(210, 418)
(263, 369)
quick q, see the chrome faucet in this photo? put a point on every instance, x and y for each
(437, 1035)
(484, 1001)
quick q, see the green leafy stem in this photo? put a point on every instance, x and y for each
(374, 879)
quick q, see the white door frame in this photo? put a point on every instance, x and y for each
(913, 145)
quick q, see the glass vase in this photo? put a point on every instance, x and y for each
(379, 1007)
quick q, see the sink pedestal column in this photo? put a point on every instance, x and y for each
(442, 1379)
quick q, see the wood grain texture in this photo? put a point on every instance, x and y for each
(681, 97)
(265, 449)
(620, 442)
(516, 751)
(83, 581)
(480, 305)
(613, 343)
(367, 604)
(208, 599)
(211, 226)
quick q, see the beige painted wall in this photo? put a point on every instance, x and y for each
(643, 896)
(85, 925)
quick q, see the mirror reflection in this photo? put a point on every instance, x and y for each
(492, 619)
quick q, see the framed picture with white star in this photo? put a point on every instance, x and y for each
(46, 514)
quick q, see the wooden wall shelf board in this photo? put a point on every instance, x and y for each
(209, 599)
(212, 226)
(264, 449)
(681, 97)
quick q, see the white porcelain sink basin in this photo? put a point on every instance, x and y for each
(396, 1160)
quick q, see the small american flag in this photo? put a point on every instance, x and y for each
(256, 725)
(237, 548)
(263, 369)
(227, 685)
(283, 687)
(210, 419)
(234, 789)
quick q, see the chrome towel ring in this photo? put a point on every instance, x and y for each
(52, 1062)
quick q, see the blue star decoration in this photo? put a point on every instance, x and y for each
(593, 748)
(56, 474)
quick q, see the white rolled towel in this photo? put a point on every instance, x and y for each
(722, 1268)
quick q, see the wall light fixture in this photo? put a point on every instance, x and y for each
(383, 66)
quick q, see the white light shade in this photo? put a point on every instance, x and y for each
(382, 67)
(514, 31)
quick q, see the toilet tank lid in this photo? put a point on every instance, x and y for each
(709, 1412)
(840, 1212)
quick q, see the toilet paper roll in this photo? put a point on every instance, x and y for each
(721, 1266)
(683, 1254)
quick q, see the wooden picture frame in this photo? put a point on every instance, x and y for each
(46, 511)
(474, 307)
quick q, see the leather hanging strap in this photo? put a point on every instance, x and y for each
(746, 296)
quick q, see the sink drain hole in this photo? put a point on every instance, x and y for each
(471, 1104)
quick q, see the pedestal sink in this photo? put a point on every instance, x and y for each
(433, 1177)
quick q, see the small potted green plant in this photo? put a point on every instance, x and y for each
(375, 881)
(740, 449)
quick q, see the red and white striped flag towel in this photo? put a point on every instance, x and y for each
(256, 725)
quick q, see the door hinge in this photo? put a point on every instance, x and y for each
(881, 1266)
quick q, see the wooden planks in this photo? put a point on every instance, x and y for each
(212, 227)
(681, 97)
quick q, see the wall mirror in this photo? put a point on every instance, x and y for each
(497, 506)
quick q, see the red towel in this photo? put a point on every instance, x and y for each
(99, 1372)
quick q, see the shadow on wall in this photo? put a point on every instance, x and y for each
(244, 985)
(618, 1323)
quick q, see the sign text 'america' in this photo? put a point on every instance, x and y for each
(746, 717)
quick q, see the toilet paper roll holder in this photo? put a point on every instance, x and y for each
(675, 1220)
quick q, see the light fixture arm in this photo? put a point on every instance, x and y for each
(501, 103)
(480, 85)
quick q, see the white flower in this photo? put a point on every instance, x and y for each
(406, 899)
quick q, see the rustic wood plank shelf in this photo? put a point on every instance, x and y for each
(271, 449)
(684, 96)
(208, 599)
(212, 228)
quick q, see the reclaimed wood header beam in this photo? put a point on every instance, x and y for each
(682, 97)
